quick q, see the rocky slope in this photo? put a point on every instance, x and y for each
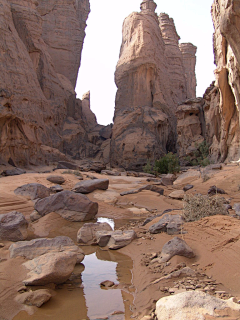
(151, 81)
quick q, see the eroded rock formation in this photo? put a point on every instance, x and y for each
(151, 82)
(217, 118)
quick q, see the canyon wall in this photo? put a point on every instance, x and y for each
(215, 118)
(151, 81)
(40, 52)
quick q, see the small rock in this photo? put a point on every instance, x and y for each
(56, 179)
(56, 188)
(107, 284)
(103, 237)
(34, 298)
(13, 172)
(168, 179)
(120, 239)
(13, 226)
(174, 247)
(188, 187)
(171, 224)
(214, 190)
(88, 186)
(87, 233)
(33, 191)
(178, 194)
(34, 216)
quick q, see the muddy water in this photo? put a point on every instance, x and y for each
(82, 297)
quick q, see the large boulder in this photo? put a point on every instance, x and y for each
(13, 172)
(70, 205)
(171, 224)
(34, 298)
(37, 247)
(175, 247)
(87, 234)
(50, 268)
(33, 191)
(88, 186)
(195, 305)
(13, 226)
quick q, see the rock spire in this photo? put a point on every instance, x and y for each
(148, 5)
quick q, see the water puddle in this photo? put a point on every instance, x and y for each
(82, 297)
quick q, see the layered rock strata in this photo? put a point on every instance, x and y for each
(148, 90)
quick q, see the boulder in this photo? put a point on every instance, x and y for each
(171, 224)
(236, 208)
(34, 298)
(37, 247)
(187, 177)
(214, 190)
(192, 305)
(33, 191)
(50, 268)
(13, 226)
(107, 284)
(87, 234)
(13, 172)
(56, 179)
(187, 187)
(70, 205)
(111, 173)
(168, 179)
(103, 237)
(178, 194)
(89, 186)
(67, 165)
(175, 247)
(120, 239)
(56, 188)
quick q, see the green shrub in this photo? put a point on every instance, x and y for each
(200, 155)
(199, 206)
(167, 164)
(148, 167)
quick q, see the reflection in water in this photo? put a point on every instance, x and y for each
(109, 221)
(82, 298)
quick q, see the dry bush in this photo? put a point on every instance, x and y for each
(199, 206)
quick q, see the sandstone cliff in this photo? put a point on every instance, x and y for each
(151, 81)
(217, 118)
(40, 52)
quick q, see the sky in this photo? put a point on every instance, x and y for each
(104, 36)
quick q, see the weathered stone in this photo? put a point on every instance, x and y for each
(171, 224)
(70, 205)
(120, 239)
(67, 165)
(187, 177)
(34, 298)
(236, 208)
(50, 268)
(188, 187)
(111, 173)
(56, 188)
(87, 233)
(88, 186)
(168, 179)
(56, 179)
(13, 226)
(194, 305)
(33, 191)
(214, 190)
(174, 247)
(34, 216)
(37, 247)
(103, 237)
(13, 172)
(178, 194)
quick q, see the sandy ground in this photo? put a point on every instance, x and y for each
(214, 240)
